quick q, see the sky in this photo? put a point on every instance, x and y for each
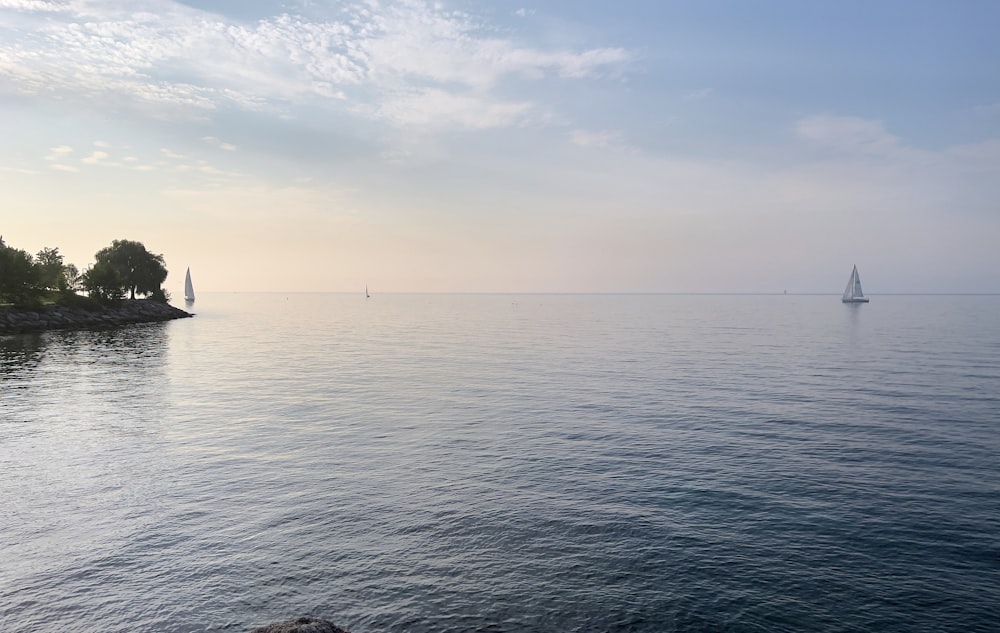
(510, 145)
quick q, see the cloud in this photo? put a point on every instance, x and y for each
(850, 134)
(170, 153)
(867, 142)
(990, 108)
(171, 60)
(55, 153)
(416, 40)
(435, 108)
(94, 158)
(981, 157)
(599, 140)
(61, 167)
(33, 5)
(583, 138)
(19, 170)
(211, 140)
(697, 95)
(205, 168)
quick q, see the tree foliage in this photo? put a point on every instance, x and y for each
(103, 282)
(141, 271)
(19, 278)
(71, 274)
(124, 267)
(50, 269)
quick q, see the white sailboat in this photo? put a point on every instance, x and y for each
(853, 294)
(367, 296)
(188, 288)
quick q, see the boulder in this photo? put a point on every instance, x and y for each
(13, 320)
(300, 625)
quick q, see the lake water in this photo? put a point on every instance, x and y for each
(508, 463)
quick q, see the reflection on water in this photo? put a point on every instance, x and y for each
(472, 463)
(20, 353)
(130, 345)
(79, 430)
(83, 374)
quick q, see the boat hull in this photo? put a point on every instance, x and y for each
(856, 300)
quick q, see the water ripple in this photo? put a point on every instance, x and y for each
(495, 463)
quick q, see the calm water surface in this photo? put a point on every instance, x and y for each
(508, 463)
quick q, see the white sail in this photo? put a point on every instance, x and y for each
(853, 293)
(849, 291)
(188, 288)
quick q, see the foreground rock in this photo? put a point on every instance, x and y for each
(300, 625)
(17, 321)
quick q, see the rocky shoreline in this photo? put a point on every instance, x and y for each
(55, 317)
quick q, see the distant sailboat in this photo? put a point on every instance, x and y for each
(367, 296)
(188, 288)
(853, 294)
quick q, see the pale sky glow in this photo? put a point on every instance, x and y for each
(505, 146)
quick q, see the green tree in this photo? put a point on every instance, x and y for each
(72, 276)
(50, 269)
(103, 282)
(141, 271)
(19, 283)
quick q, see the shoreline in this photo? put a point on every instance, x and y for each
(56, 317)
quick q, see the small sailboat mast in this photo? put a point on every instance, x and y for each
(367, 296)
(188, 287)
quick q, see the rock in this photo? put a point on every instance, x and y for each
(299, 625)
(13, 320)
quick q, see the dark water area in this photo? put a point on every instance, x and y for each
(508, 463)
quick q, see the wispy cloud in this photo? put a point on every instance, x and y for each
(211, 170)
(697, 95)
(61, 167)
(94, 158)
(989, 108)
(166, 57)
(57, 153)
(133, 163)
(211, 140)
(19, 170)
(435, 108)
(599, 140)
(847, 134)
(981, 157)
(34, 5)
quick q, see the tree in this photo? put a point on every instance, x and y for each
(19, 282)
(103, 282)
(72, 276)
(140, 271)
(51, 269)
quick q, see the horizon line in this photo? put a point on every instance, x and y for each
(599, 293)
